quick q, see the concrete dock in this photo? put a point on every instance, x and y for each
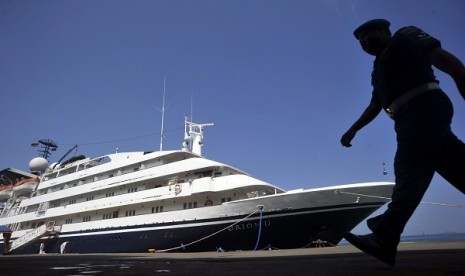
(422, 258)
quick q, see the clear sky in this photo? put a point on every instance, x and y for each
(281, 80)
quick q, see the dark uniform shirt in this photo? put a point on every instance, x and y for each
(402, 65)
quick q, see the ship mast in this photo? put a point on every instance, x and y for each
(47, 145)
(193, 136)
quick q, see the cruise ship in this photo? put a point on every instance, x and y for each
(169, 201)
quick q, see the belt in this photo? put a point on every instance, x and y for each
(407, 96)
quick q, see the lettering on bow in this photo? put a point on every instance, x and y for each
(249, 225)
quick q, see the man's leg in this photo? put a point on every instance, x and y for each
(451, 162)
(407, 195)
(421, 136)
(414, 172)
(420, 131)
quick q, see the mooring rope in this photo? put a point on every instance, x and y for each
(318, 243)
(260, 207)
(422, 202)
(211, 235)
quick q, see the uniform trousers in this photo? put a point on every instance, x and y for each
(425, 145)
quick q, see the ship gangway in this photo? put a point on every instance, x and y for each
(47, 229)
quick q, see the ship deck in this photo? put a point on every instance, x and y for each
(419, 258)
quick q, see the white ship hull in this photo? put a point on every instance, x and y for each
(289, 220)
(176, 201)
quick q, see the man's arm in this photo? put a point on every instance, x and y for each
(450, 64)
(370, 113)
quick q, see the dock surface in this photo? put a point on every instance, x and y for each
(419, 258)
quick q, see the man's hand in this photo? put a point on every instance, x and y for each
(372, 110)
(347, 138)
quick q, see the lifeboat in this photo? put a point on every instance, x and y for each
(5, 193)
(25, 186)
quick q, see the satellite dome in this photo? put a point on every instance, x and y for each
(38, 164)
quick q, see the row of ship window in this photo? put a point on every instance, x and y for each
(128, 213)
(132, 190)
(115, 214)
(119, 172)
(96, 177)
(89, 198)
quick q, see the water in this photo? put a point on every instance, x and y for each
(434, 237)
(442, 237)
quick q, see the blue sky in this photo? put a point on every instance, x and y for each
(281, 80)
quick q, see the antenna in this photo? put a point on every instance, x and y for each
(162, 114)
(47, 145)
(66, 154)
(192, 107)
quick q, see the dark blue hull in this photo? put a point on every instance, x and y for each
(281, 229)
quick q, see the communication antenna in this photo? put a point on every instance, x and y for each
(66, 154)
(192, 107)
(46, 146)
(162, 114)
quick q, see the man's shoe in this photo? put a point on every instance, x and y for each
(374, 246)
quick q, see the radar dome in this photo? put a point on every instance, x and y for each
(38, 164)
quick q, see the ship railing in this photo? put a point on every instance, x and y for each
(47, 228)
(8, 206)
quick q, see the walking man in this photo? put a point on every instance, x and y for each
(404, 86)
